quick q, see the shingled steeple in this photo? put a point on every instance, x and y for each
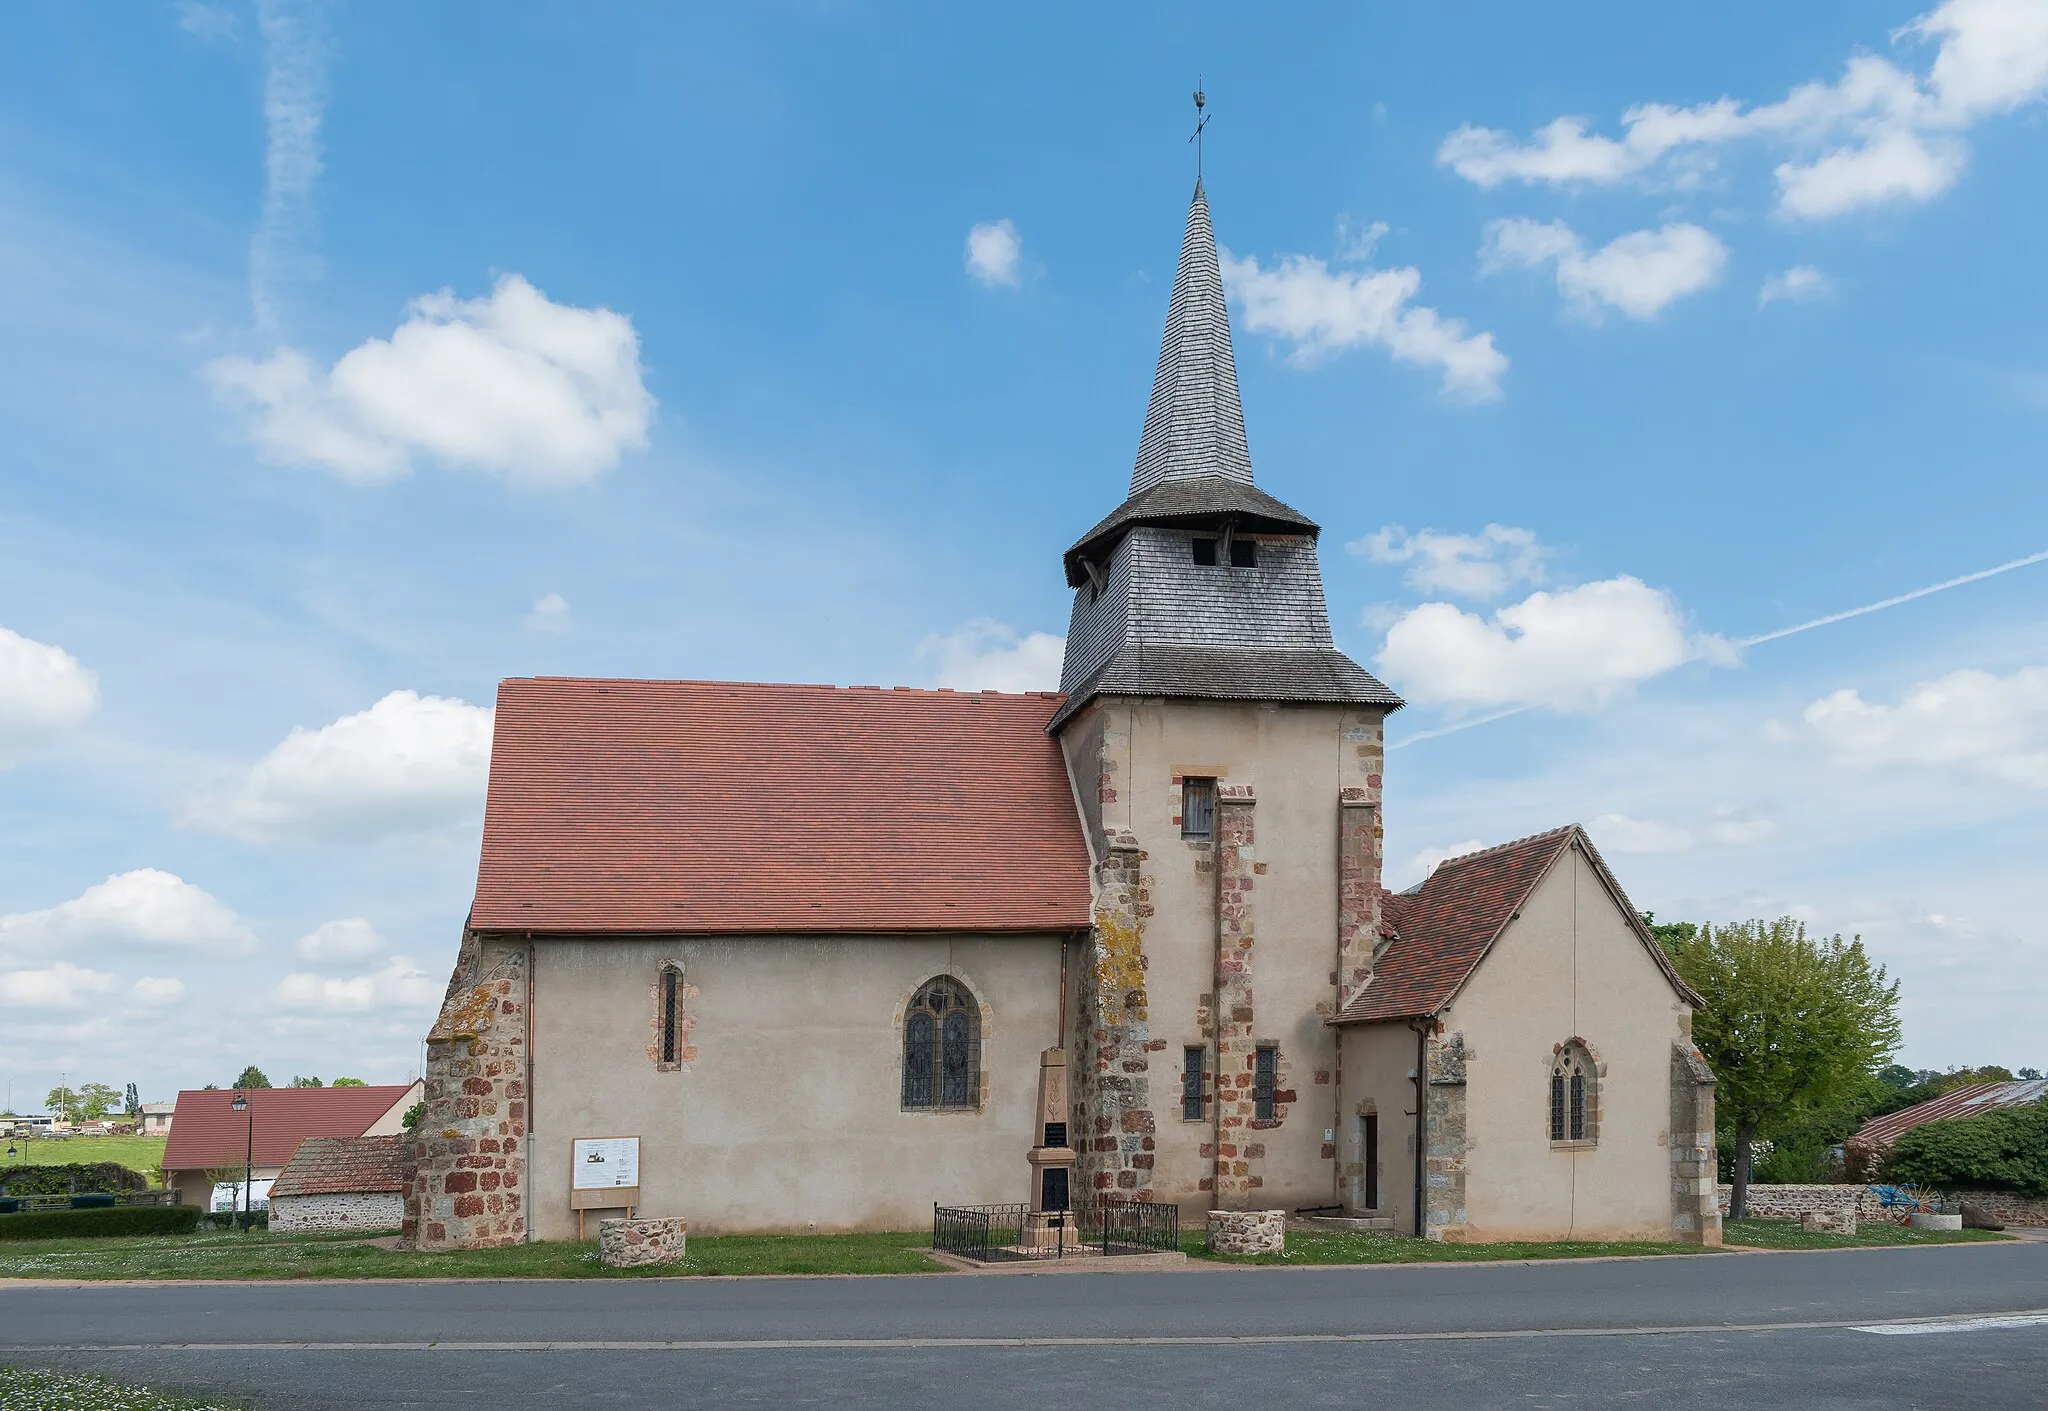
(1195, 423)
(1201, 585)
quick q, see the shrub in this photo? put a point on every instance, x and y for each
(100, 1224)
(67, 1179)
(2005, 1149)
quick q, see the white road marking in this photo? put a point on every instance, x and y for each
(1959, 1325)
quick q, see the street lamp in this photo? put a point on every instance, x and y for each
(241, 1104)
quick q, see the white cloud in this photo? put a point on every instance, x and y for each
(61, 986)
(1324, 311)
(1876, 134)
(550, 615)
(1483, 565)
(1572, 650)
(340, 943)
(995, 254)
(1418, 867)
(1356, 244)
(207, 23)
(294, 104)
(541, 392)
(1730, 829)
(146, 907)
(1973, 722)
(44, 692)
(1618, 833)
(400, 984)
(984, 655)
(155, 993)
(1798, 283)
(1638, 273)
(408, 763)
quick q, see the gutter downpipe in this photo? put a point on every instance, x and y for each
(1421, 1028)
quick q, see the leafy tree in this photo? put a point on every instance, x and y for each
(412, 1116)
(2006, 1148)
(96, 1100)
(62, 1100)
(299, 1082)
(2028, 1073)
(131, 1100)
(251, 1077)
(348, 1083)
(1791, 1025)
(1669, 933)
(211, 1088)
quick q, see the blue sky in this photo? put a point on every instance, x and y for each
(361, 355)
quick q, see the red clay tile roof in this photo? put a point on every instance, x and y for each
(343, 1166)
(207, 1132)
(1443, 929)
(1965, 1101)
(719, 807)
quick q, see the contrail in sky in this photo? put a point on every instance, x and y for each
(1759, 639)
(294, 101)
(1893, 602)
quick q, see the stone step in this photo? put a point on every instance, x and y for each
(1383, 1223)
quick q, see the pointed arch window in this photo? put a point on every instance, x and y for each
(942, 1048)
(1574, 1094)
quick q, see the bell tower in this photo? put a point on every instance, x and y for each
(1227, 759)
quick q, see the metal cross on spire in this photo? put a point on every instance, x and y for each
(1201, 121)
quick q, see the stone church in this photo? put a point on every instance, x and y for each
(836, 955)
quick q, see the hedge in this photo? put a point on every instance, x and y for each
(2005, 1149)
(59, 1180)
(100, 1224)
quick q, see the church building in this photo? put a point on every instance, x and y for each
(836, 955)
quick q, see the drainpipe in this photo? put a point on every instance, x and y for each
(1421, 1028)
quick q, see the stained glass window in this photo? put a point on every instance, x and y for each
(941, 1048)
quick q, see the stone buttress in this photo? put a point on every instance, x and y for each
(466, 1156)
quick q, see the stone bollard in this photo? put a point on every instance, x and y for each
(1829, 1222)
(1247, 1231)
(627, 1244)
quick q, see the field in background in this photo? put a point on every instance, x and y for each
(143, 1154)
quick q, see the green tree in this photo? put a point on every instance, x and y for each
(348, 1083)
(2006, 1148)
(299, 1082)
(62, 1100)
(95, 1100)
(412, 1116)
(1791, 1025)
(1669, 933)
(131, 1100)
(251, 1077)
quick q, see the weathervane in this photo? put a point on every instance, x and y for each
(1201, 121)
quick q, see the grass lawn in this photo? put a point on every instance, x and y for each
(1786, 1234)
(137, 1153)
(1371, 1247)
(260, 1255)
(23, 1390)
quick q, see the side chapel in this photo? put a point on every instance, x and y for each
(836, 955)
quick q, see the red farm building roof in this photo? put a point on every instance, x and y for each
(343, 1166)
(208, 1133)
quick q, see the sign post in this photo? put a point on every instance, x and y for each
(604, 1174)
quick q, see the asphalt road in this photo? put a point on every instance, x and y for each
(1759, 1331)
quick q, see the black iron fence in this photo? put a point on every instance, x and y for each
(988, 1233)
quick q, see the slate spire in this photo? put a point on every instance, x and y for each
(1195, 423)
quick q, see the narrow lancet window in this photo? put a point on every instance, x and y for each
(1573, 1091)
(942, 1049)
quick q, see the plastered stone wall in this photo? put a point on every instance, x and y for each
(632, 1243)
(466, 1160)
(1247, 1231)
(381, 1210)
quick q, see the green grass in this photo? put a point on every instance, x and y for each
(144, 1154)
(24, 1390)
(1786, 1234)
(260, 1255)
(1373, 1247)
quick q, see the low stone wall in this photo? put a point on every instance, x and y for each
(380, 1211)
(1797, 1202)
(2005, 1205)
(626, 1244)
(1247, 1231)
